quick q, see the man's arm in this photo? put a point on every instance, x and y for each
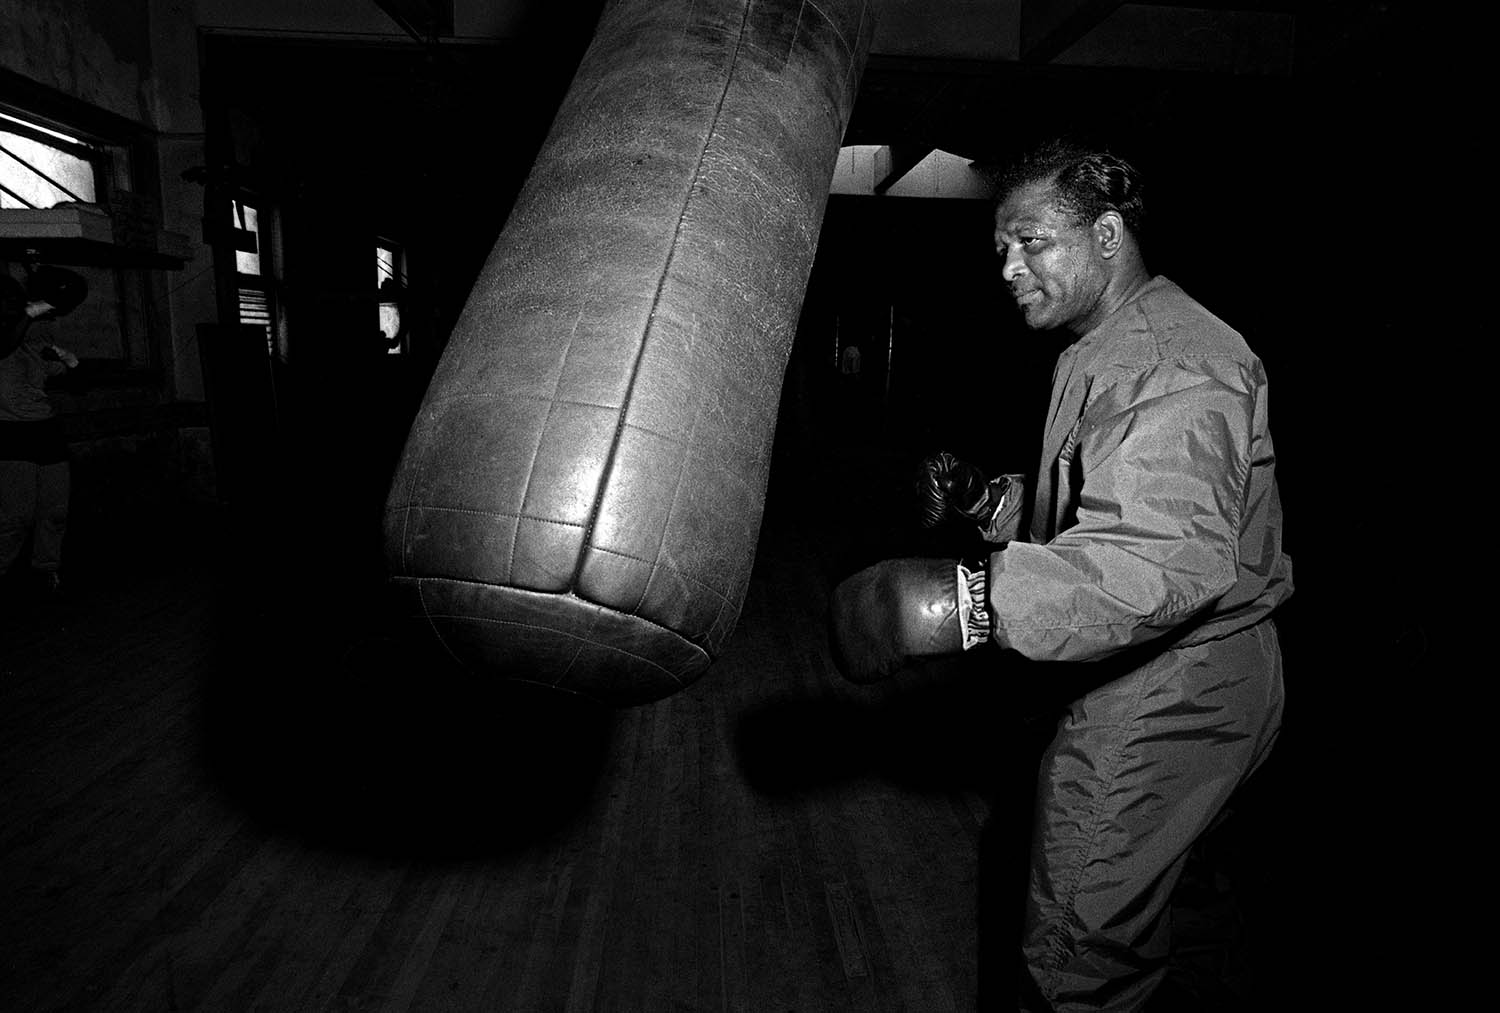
(1004, 524)
(58, 360)
(1165, 458)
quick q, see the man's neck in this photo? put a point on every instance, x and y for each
(1122, 288)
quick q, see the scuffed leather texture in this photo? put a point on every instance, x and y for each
(893, 611)
(579, 498)
(948, 486)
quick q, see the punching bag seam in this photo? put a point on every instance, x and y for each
(666, 271)
(554, 403)
(490, 513)
(855, 68)
(832, 26)
(577, 653)
(518, 396)
(536, 450)
(791, 46)
(683, 574)
(408, 509)
(437, 633)
(571, 636)
(723, 598)
(656, 561)
(432, 617)
(539, 399)
(405, 532)
(540, 594)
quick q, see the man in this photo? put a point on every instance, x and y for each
(1153, 556)
(34, 472)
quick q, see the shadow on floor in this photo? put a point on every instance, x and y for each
(367, 742)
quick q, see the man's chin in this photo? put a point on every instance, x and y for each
(1037, 321)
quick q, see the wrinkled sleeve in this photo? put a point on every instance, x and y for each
(1163, 457)
(1005, 523)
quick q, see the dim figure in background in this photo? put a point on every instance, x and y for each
(34, 472)
(849, 361)
(1152, 555)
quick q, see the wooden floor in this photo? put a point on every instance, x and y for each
(228, 785)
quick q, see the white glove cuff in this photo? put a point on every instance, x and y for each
(973, 606)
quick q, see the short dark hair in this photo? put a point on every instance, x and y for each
(1090, 180)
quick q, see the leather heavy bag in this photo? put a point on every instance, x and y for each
(580, 496)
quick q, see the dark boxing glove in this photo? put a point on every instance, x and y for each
(949, 487)
(901, 609)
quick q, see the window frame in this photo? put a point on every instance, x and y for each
(399, 346)
(99, 154)
(268, 281)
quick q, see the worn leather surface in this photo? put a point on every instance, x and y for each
(893, 611)
(580, 496)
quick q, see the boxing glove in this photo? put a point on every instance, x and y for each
(949, 487)
(901, 609)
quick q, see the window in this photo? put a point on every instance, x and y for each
(41, 168)
(390, 280)
(256, 272)
(55, 177)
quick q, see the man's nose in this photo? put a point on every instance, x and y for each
(1014, 265)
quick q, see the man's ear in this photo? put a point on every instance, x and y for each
(1109, 233)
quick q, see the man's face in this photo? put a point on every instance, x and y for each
(1052, 265)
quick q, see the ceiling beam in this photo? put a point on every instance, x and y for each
(904, 158)
(423, 20)
(1050, 26)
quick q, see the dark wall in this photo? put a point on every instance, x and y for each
(349, 142)
(944, 364)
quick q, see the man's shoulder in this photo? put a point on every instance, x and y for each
(1164, 324)
(1183, 325)
(1165, 340)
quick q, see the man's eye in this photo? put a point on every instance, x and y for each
(1030, 242)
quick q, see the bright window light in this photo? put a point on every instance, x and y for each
(36, 174)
